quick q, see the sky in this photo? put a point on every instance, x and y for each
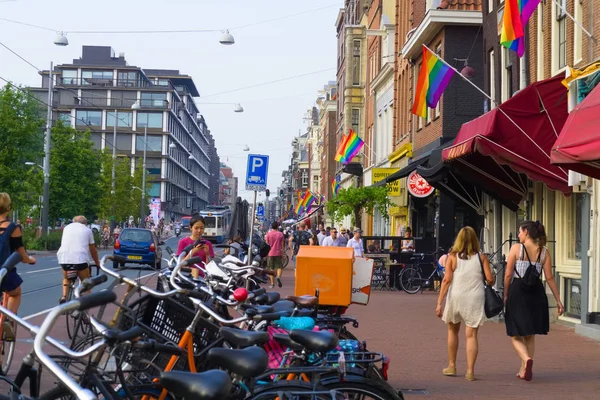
(274, 40)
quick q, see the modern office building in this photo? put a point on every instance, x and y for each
(98, 91)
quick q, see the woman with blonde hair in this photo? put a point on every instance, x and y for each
(463, 283)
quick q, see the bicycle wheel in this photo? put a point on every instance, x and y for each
(61, 393)
(7, 350)
(71, 317)
(286, 261)
(410, 280)
(291, 390)
(358, 387)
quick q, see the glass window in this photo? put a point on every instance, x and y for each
(573, 298)
(356, 62)
(356, 120)
(65, 118)
(153, 165)
(163, 82)
(154, 99)
(69, 76)
(124, 142)
(96, 77)
(127, 78)
(574, 225)
(97, 140)
(151, 120)
(123, 98)
(124, 119)
(154, 190)
(136, 235)
(562, 42)
(89, 118)
(154, 143)
(210, 222)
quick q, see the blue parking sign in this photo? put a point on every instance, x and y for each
(260, 211)
(256, 172)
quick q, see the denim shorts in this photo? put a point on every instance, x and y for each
(11, 281)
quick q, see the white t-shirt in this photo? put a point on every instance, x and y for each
(75, 244)
(328, 241)
(357, 246)
(320, 238)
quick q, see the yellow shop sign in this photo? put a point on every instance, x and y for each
(379, 174)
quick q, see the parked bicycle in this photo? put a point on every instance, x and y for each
(411, 277)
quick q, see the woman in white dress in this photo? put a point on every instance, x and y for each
(463, 283)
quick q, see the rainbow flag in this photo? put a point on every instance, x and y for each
(340, 149)
(335, 186)
(308, 200)
(300, 205)
(433, 80)
(351, 146)
(515, 19)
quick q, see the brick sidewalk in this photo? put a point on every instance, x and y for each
(404, 327)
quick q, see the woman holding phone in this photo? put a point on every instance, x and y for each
(203, 249)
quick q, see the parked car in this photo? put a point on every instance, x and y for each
(138, 246)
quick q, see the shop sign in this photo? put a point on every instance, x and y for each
(379, 174)
(418, 186)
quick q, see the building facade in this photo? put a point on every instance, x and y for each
(97, 92)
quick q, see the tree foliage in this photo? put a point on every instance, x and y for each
(21, 140)
(128, 195)
(354, 200)
(75, 168)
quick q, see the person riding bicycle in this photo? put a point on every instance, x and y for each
(11, 240)
(76, 247)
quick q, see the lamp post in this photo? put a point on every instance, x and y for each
(137, 106)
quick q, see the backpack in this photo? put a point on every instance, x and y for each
(5, 250)
(531, 276)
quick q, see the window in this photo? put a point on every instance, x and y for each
(356, 120)
(151, 120)
(162, 82)
(573, 298)
(123, 98)
(506, 77)
(356, 62)
(89, 118)
(124, 119)
(562, 33)
(574, 226)
(97, 140)
(154, 190)
(153, 165)
(96, 77)
(577, 33)
(153, 99)
(69, 77)
(124, 142)
(127, 79)
(65, 118)
(492, 80)
(154, 143)
(304, 178)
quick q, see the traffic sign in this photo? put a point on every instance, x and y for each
(260, 211)
(256, 172)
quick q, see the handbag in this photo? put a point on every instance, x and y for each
(493, 304)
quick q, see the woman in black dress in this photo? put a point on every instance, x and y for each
(526, 302)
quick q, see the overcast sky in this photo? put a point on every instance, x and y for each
(269, 48)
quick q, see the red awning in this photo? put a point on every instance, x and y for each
(578, 145)
(515, 139)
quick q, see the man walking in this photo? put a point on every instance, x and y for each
(275, 239)
(300, 237)
(76, 247)
(332, 240)
(356, 243)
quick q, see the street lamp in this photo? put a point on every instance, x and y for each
(237, 107)
(61, 39)
(137, 106)
(226, 38)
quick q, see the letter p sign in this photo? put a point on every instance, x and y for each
(256, 172)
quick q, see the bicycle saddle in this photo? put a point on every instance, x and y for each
(317, 341)
(248, 363)
(259, 309)
(239, 338)
(273, 297)
(286, 341)
(210, 385)
(284, 305)
(304, 301)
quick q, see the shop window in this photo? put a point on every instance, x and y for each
(573, 298)
(574, 226)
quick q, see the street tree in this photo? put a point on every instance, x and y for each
(353, 201)
(21, 140)
(126, 199)
(75, 171)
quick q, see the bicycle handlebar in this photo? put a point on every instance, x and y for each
(89, 283)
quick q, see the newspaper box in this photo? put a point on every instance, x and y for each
(328, 269)
(361, 280)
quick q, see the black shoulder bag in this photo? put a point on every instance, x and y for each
(493, 304)
(531, 276)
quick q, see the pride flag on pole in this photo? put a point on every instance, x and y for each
(349, 147)
(515, 19)
(433, 80)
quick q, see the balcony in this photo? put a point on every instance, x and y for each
(93, 101)
(113, 83)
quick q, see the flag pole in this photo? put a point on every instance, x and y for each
(574, 20)
(461, 75)
(495, 102)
